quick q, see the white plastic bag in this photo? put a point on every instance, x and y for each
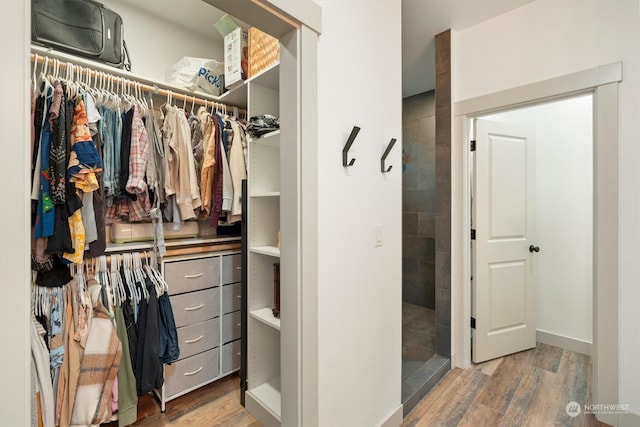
(198, 73)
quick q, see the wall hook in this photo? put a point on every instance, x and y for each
(384, 156)
(347, 146)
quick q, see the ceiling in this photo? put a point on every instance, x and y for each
(421, 21)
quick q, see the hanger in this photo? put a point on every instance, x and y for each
(44, 83)
(120, 295)
(34, 82)
(140, 274)
(80, 281)
(129, 279)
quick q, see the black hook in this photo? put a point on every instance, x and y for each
(345, 150)
(384, 156)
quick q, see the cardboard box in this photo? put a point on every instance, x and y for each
(236, 57)
(236, 51)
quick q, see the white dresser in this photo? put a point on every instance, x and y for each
(205, 294)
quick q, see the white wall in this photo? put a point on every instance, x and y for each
(14, 246)
(359, 286)
(564, 207)
(549, 38)
(156, 43)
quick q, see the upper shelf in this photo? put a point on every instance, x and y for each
(268, 77)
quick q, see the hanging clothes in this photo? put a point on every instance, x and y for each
(207, 174)
(149, 372)
(238, 170)
(99, 366)
(76, 320)
(40, 363)
(181, 178)
(127, 397)
(134, 206)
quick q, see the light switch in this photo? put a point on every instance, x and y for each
(378, 235)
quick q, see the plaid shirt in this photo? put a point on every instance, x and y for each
(135, 210)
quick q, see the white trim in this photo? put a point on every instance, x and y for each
(568, 343)
(602, 81)
(544, 91)
(395, 419)
(605, 245)
(16, 255)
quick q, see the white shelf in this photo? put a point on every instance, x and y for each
(266, 194)
(269, 77)
(265, 315)
(268, 395)
(173, 243)
(271, 139)
(266, 250)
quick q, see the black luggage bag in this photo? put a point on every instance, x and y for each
(82, 27)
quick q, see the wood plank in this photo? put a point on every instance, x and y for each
(502, 385)
(489, 367)
(527, 406)
(452, 406)
(547, 357)
(427, 404)
(480, 415)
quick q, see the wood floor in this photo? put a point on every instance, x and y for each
(531, 388)
(217, 404)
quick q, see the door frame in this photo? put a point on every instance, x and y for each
(602, 82)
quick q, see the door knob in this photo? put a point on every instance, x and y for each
(534, 248)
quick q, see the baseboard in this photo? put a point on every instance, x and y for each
(395, 419)
(567, 343)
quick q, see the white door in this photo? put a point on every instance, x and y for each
(503, 289)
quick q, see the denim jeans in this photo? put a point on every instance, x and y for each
(169, 348)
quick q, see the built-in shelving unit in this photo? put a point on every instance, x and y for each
(263, 225)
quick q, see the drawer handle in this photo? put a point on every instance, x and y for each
(238, 268)
(188, 374)
(238, 354)
(197, 307)
(238, 296)
(194, 340)
(238, 324)
(193, 276)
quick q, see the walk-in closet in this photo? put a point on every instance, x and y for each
(156, 220)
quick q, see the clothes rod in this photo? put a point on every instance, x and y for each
(128, 81)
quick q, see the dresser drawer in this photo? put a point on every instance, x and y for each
(197, 338)
(231, 298)
(196, 307)
(231, 327)
(231, 268)
(191, 372)
(230, 356)
(192, 275)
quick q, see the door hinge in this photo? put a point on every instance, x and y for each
(473, 145)
(473, 323)
(473, 234)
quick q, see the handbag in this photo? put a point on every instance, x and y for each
(82, 27)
